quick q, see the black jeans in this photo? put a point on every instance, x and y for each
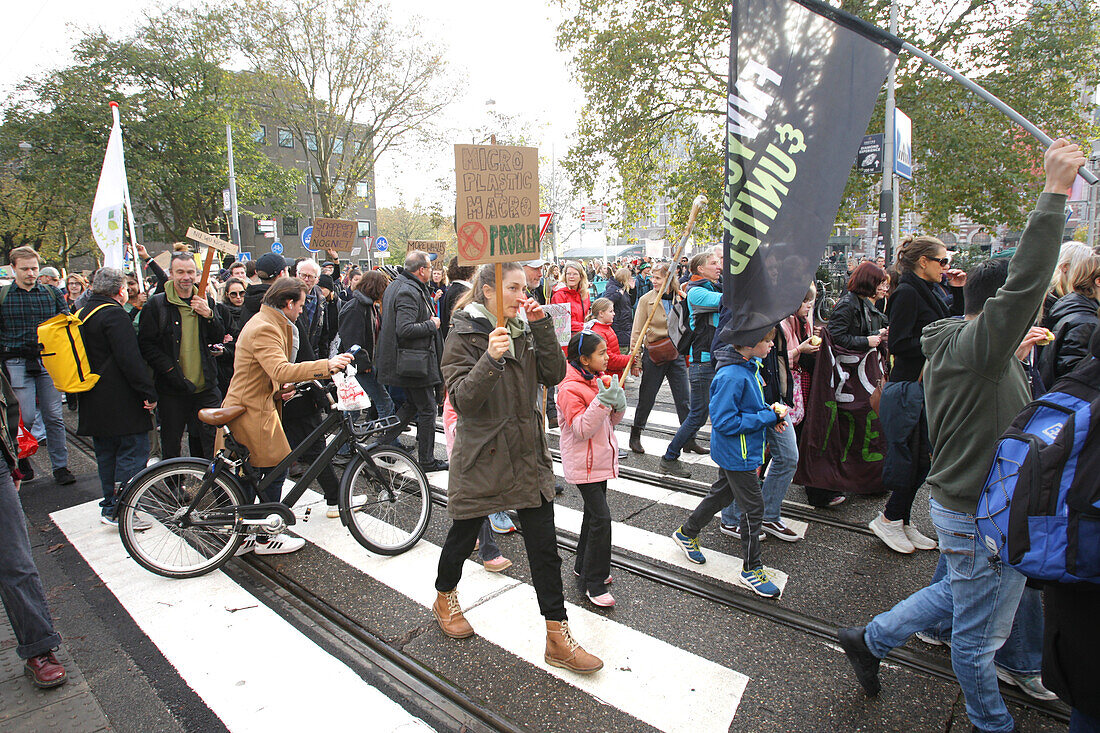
(298, 429)
(179, 411)
(744, 486)
(593, 562)
(652, 375)
(539, 538)
(419, 403)
(20, 587)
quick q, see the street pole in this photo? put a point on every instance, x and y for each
(886, 198)
(234, 222)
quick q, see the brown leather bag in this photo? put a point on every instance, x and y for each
(662, 351)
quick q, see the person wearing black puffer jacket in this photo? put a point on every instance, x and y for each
(1073, 320)
(918, 300)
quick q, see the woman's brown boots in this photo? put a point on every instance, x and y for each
(562, 650)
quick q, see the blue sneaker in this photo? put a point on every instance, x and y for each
(758, 582)
(501, 523)
(690, 546)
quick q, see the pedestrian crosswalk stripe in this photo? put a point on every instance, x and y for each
(660, 684)
(197, 622)
(671, 497)
(655, 446)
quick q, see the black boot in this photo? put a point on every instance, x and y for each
(636, 440)
(863, 661)
(692, 447)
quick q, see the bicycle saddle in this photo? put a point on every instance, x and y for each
(221, 415)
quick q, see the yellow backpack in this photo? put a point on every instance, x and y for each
(61, 346)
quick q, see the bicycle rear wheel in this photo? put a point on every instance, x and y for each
(387, 513)
(157, 498)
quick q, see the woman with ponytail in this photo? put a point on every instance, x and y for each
(918, 300)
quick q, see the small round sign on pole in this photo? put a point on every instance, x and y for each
(277, 247)
(381, 244)
(307, 236)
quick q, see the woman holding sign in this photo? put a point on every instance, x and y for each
(573, 291)
(500, 458)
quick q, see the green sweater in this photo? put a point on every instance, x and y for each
(973, 383)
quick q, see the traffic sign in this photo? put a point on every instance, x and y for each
(381, 244)
(277, 248)
(307, 235)
(227, 202)
(244, 256)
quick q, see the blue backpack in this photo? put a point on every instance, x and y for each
(1040, 508)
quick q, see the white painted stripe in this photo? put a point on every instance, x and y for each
(664, 419)
(670, 497)
(655, 446)
(660, 684)
(718, 566)
(251, 667)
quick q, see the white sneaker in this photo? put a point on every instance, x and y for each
(333, 511)
(246, 547)
(892, 533)
(138, 524)
(1030, 684)
(279, 545)
(918, 540)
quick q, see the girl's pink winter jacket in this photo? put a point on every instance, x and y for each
(589, 451)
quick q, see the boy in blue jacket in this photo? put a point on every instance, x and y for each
(739, 417)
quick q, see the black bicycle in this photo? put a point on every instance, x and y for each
(185, 517)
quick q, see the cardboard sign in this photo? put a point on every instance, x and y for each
(436, 247)
(497, 207)
(212, 242)
(337, 234)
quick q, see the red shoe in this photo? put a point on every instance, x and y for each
(45, 671)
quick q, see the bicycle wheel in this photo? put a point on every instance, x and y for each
(157, 498)
(825, 306)
(387, 513)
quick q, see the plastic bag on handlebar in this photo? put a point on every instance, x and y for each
(349, 393)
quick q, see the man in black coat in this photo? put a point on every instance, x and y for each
(409, 349)
(176, 330)
(115, 413)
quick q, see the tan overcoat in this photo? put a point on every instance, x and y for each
(261, 366)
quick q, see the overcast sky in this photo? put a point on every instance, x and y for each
(505, 49)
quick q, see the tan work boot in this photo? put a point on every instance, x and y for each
(449, 615)
(562, 650)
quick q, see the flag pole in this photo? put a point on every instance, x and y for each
(895, 44)
(129, 213)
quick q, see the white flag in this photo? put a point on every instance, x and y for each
(110, 199)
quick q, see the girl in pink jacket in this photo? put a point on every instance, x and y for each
(589, 408)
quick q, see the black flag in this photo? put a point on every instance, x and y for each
(802, 87)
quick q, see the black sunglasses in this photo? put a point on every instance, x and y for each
(944, 262)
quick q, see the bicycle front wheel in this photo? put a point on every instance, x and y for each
(386, 506)
(150, 520)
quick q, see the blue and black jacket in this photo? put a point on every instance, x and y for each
(739, 414)
(704, 300)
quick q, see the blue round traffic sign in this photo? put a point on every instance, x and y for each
(277, 247)
(307, 235)
(381, 244)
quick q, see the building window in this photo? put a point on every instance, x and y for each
(311, 141)
(286, 140)
(338, 146)
(290, 226)
(363, 229)
(362, 190)
(260, 134)
(355, 146)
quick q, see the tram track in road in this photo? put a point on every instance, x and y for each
(452, 703)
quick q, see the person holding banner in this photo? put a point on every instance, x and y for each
(974, 386)
(501, 459)
(704, 299)
(573, 291)
(917, 301)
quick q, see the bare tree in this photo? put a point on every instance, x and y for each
(347, 83)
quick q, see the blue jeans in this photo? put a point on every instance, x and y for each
(20, 587)
(980, 600)
(379, 397)
(784, 450)
(699, 378)
(1022, 653)
(1081, 723)
(33, 385)
(118, 458)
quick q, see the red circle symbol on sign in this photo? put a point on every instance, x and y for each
(472, 240)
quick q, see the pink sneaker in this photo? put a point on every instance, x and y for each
(497, 564)
(605, 600)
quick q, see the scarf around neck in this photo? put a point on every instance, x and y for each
(190, 346)
(515, 326)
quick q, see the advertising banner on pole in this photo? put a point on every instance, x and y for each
(497, 206)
